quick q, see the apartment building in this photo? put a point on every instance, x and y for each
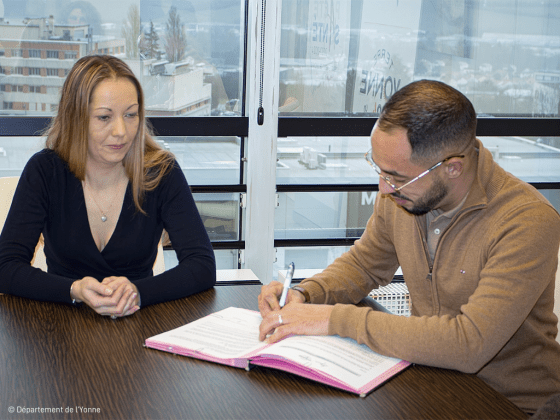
(35, 57)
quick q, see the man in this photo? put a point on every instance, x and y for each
(478, 249)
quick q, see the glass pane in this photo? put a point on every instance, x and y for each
(349, 56)
(532, 159)
(219, 211)
(338, 215)
(553, 196)
(207, 160)
(322, 214)
(187, 54)
(16, 151)
(220, 214)
(324, 160)
(340, 160)
(204, 160)
(307, 260)
(226, 259)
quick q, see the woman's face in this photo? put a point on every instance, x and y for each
(113, 122)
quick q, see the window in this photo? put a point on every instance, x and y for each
(458, 43)
(339, 61)
(205, 79)
(347, 58)
(34, 53)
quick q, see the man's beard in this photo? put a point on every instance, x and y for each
(437, 192)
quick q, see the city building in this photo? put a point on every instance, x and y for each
(35, 57)
(173, 89)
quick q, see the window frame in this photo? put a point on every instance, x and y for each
(339, 126)
(284, 125)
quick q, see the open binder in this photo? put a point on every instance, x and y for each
(230, 337)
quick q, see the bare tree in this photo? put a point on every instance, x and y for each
(131, 31)
(175, 37)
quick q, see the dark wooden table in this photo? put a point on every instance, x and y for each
(71, 363)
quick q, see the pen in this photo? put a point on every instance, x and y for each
(287, 284)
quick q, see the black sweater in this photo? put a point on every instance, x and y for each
(49, 199)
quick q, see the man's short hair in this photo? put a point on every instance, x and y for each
(438, 118)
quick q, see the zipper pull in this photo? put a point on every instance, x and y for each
(429, 276)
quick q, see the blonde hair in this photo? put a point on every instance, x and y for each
(146, 163)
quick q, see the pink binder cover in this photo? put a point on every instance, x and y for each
(235, 362)
(276, 362)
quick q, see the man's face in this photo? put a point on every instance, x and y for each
(428, 202)
(391, 152)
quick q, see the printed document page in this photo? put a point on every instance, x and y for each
(342, 358)
(227, 334)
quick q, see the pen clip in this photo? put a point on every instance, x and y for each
(287, 284)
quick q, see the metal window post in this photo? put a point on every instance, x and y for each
(262, 110)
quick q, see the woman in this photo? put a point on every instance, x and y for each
(101, 193)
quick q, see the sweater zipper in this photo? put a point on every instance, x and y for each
(429, 276)
(430, 264)
(428, 259)
(430, 269)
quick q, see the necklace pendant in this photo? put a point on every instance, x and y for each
(103, 218)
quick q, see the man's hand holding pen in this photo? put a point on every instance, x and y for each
(270, 296)
(295, 318)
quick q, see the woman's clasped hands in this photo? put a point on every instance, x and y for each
(114, 296)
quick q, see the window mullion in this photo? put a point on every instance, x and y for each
(263, 91)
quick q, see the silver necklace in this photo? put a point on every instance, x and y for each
(103, 214)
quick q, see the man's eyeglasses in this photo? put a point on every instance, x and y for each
(387, 179)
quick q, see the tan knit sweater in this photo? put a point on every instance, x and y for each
(487, 308)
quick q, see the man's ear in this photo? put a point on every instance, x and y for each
(454, 168)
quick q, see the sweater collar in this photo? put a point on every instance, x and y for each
(489, 179)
